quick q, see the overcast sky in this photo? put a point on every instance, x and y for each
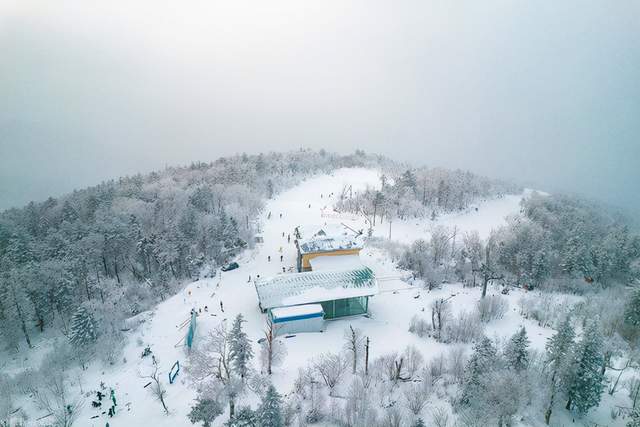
(545, 92)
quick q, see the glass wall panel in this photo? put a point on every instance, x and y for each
(344, 307)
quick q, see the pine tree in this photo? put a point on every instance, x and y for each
(632, 309)
(635, 418)
(587, 379)
(516, 352)
(270, 412)
(482, 361)
(559, 357)
(245, 417)
(205, 411)
(84, 330)
(240, 351)
(419, 423)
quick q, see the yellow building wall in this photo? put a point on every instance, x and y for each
(306, 265)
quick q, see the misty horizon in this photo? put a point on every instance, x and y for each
(544, 95)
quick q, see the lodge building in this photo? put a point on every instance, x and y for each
(331, 283)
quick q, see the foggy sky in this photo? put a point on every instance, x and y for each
(543, 92)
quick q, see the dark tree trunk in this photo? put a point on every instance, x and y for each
(115, 269)
(366, 357)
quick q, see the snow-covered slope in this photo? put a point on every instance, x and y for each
(231, 293)
(237, 295)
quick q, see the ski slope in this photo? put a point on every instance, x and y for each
(230, 293)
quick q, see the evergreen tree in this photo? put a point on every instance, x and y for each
(559, 360)
(587, 378)
(632, 309)
(240, 351)
(482, 361)
(516, 352)
(205, 411)
(245, 417)
(84, 330)
(419, 423)
(634, 421)
(270, 412)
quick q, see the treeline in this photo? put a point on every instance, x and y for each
(421, 192)
(117, 247)
(560, 235)
(557, 242)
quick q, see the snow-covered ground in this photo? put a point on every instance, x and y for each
(307, 204)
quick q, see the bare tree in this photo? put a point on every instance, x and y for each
(353, 344)
(393, 417)
(366, 357)
(632, 358)
(273, 351)
(52, 396)
(212, 360)
(440, 417)
(416, 395)
(486, 270)
(330, 367)
(413, 360)
(440, 314)
(157, 389)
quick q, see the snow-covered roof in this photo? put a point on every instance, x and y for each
(312, 231)
(297, 312)
(336, 263)
(329, 244)
(327, 238)
(315, 286)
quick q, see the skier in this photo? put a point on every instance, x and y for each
(280, 216)
(206, 308)
(283, 270)
(288, 238)
(309, 205)
(113, 399)
(249, 279)
(221, 307)
(269, 216)
(281, 258)
(283, 234)
(269, 258)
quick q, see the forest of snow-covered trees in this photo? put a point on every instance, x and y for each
(423, 192)
(115, 248)
(557, 242)
(82, 265)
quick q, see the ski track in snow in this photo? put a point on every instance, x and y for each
(387, 326)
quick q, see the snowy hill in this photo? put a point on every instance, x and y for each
(221, 298)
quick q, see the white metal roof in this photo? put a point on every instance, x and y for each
(315, 286)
